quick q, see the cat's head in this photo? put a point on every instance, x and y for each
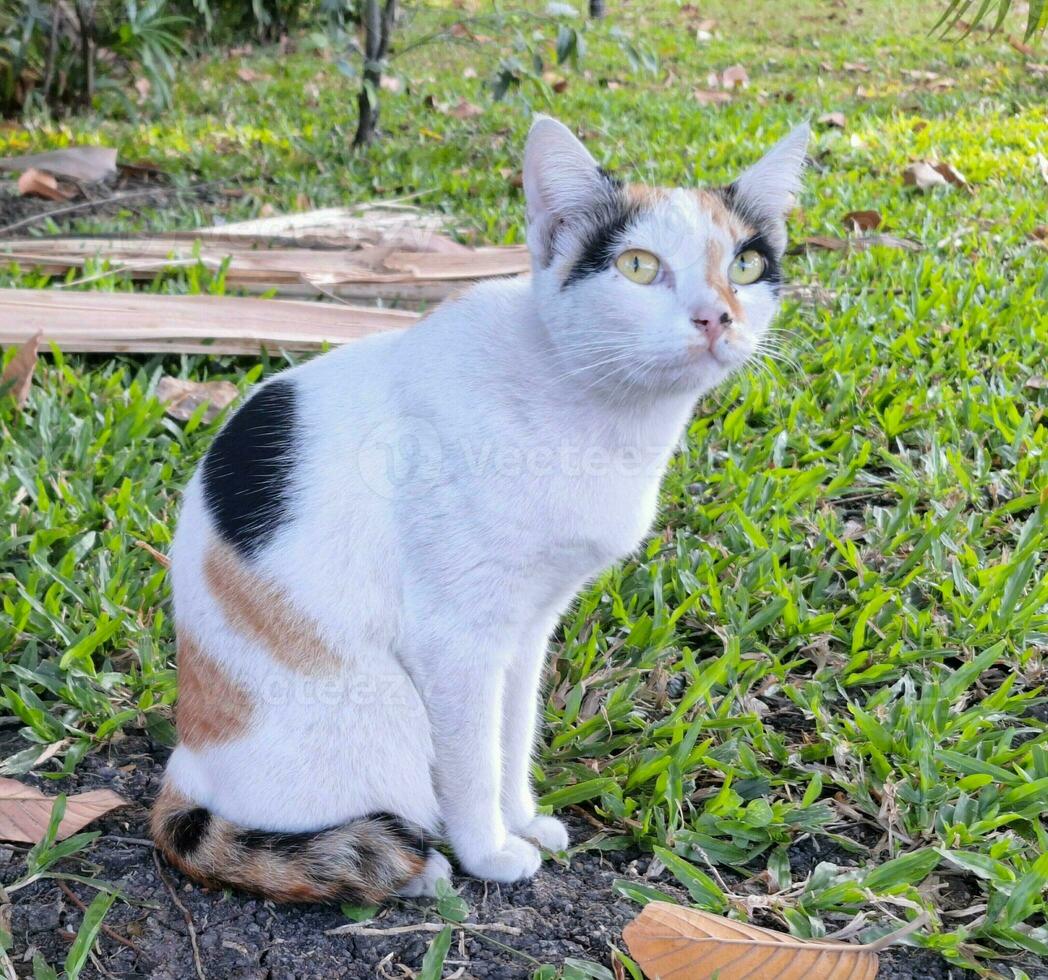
(654, 289)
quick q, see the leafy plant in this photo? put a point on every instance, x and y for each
(965, 15)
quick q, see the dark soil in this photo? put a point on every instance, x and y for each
(132, 188)
(563, 912)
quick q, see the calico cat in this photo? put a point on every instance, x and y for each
(374, 552)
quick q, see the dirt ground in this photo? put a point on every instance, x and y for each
(132, 189)
(563, 912)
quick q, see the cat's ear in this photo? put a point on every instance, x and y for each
(562, 182)
(767, 190)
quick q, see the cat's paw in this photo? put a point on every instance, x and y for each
(437, 867)
(548, 832)
(516, 860)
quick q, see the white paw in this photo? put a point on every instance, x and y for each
(548, 832)
(516, 860)
(437, 867)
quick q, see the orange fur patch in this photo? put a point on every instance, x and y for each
(644, 195)
(262, 611)
(737, 229)
(716, 278)
(212, 707)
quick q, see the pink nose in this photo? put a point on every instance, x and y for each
(712, 321)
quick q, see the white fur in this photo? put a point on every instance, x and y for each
(462, 480)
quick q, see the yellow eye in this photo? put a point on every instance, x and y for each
(638, 266)
(747, 267)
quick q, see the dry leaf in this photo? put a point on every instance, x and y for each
(835, 119)
(182, 398)
(923, 176)
(390, 83)
(19, 373)
(670, 942)
(88, 163)
(249, 75)
(862, 220)
(466, 110)
(1040, 235)
(920, 75)
(25, 812)
(1021, 46)
(711, 96)
(36, 183)
(1038, 381)
(735, 77)
(952, 176)
(860, 242)
(1035, 69)
(855, 66)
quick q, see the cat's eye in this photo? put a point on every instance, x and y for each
(638, 266)
(746, 267)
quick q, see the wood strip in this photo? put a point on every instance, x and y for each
(144, 322)
(369, 272)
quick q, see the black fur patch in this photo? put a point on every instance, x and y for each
(248, 468)
(188, 829)
(601, 243)
(280, 842)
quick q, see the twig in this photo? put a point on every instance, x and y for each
(356, 929)
(111, 933)
(185, 914)
(86, 205)
(138, 841)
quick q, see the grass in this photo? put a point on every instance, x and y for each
(840, 627)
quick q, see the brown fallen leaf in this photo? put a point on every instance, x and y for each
(735, 77)
(1021, 46)
(1038, 381)
(856, 66)
(182, 398)
(671, 942)
(952, 176)
(87, 163)
(36, 183)
(249, 75)
(1036, 69)
(467, 110)
(19, 372)
(25, 812)
(862, 220)
(858, 242)
(923, 176)
(1040, 235)
(835, 119)
(920, 75)
(711, 96)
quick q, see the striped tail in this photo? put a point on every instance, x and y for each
(363, 861)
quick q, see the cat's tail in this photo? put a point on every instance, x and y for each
(363, 861)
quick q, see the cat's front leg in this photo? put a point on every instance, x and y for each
(521, 705)
(463, 698)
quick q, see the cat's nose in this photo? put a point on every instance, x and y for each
(712, 321)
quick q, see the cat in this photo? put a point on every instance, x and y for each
(374, 552)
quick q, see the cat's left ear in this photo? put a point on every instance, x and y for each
(768, 189)
(562, 183)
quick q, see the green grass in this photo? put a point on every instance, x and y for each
(840, 628)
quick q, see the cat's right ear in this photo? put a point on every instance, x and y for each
(562, 183)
